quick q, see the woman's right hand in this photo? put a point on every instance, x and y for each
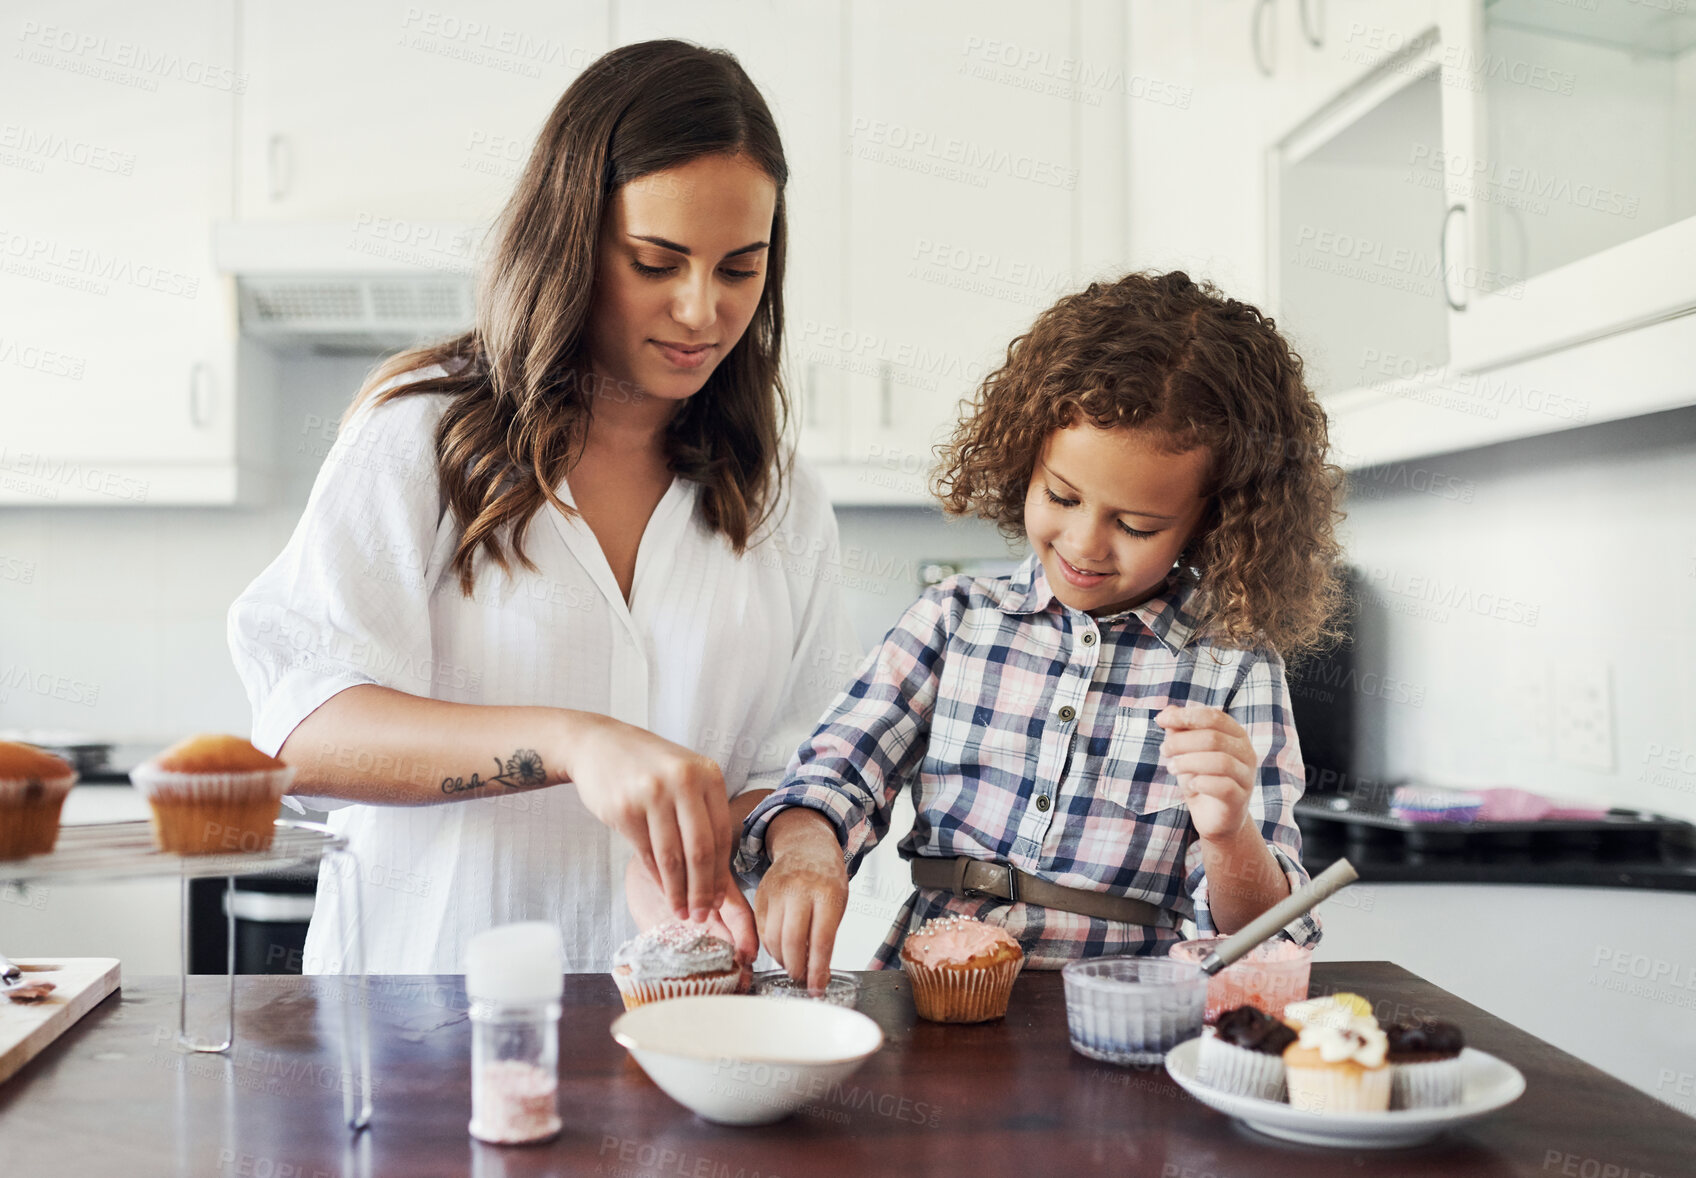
(666, 800)
(803, 894)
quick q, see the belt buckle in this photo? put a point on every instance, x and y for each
(1012, 876)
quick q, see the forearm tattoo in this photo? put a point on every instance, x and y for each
(522, 770)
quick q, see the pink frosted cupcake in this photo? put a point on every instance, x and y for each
(674, 960)
(33, 785)
(962, 969)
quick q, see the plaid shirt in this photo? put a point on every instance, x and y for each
(1027, 731)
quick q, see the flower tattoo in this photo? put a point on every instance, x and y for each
(521, 770)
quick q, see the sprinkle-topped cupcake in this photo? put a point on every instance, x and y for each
(962, 969)
(672, 960)
(33, 785)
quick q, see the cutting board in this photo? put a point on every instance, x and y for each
(27, 1029)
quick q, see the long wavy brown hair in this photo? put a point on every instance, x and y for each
(1163, 353)
(520, 379)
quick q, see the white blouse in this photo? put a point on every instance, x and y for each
(734, 657)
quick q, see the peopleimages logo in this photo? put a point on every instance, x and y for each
(1434, 597)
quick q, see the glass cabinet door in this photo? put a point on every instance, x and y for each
(1586, 129)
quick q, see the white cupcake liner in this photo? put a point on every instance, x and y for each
(1342, 1089)
(15, 791)
(170, 788)
(1432, 1083)
(636, 991)
(202, 813)
(1235, 1069)
(972, 994)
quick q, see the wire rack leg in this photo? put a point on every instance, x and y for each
(351, 935)
(186, 1041)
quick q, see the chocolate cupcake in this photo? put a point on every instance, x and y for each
(1425, 1068)
(33, 785)
(674, 960)
(1243, 1053)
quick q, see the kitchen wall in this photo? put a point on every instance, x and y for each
(1505, 586)
(112, 621)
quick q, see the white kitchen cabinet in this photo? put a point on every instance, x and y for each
(118, 335)
(1486, 236)
(804, 91)
(359, 111)
(1573, 157)
(981, 156)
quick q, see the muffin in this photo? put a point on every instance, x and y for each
(33, 785)
(212, 794)
(1425, 1070)
(1243, 1053)
(962, 969)
(1332, 1069)
(674, 960)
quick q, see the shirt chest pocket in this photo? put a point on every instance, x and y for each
(1131, 774)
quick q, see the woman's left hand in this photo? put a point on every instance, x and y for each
(733, 920)
(1210, 755)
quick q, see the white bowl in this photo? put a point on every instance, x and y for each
(745, 1059)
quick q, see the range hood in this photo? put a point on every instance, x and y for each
(365, 286)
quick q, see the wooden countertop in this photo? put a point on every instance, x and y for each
(113, 1097)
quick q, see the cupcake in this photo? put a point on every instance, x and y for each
(674, 960)
(1425, 1070)
(962, 969)
(1244, 1053)
(212, 794)
(33, 785)
(1334, 1069)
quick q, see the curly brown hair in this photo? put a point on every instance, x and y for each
(1164, 353)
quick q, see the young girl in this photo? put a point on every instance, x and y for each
(1100, 745)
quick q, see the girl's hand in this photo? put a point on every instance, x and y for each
(801, 899)
(1210, 755)
(733, 921)
(667, 801)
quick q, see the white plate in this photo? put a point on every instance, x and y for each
(1488, 1084)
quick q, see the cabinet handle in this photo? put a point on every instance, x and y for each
(1443, 258)
(199, 413)
(1313, 29)
(885, 395)
(279, 166)
(1257, 37)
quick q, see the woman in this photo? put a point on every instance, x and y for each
(565, 547)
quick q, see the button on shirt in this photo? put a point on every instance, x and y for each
(1027, 729)
(734, 657)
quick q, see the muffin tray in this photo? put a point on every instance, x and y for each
(1489, 1084)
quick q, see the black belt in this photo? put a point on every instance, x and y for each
(1002, 881)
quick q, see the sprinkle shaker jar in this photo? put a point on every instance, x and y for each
(514, 977)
